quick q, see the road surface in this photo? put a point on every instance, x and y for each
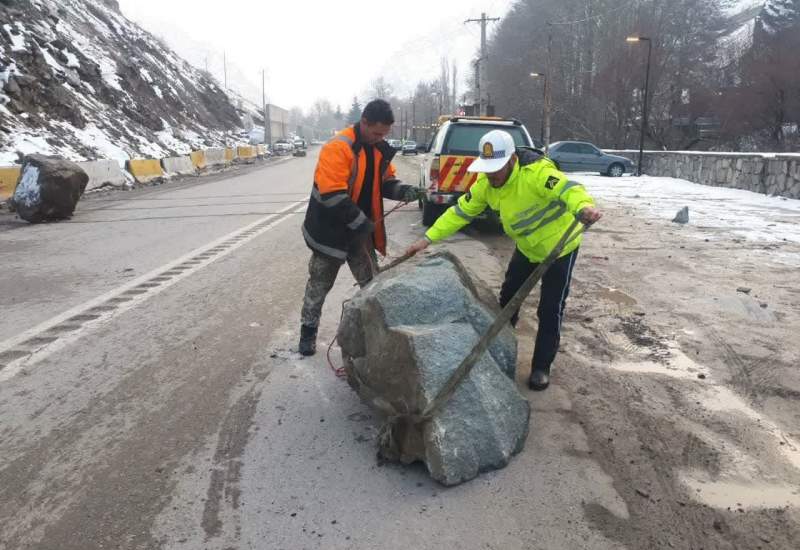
(151, 396)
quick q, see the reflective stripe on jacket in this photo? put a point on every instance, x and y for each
(333, 217)
(536, 205)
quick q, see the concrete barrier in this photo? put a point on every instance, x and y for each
(145, 170)
(768, 173)
(215, 156)
(9, 175)
(247, 153)
(103, 173)
(199, 159)
(230, 154)
(178, 166)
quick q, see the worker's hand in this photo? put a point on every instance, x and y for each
(410, 193)
(418, 246)
(589, 215)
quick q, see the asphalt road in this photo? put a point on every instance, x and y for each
(150, 397)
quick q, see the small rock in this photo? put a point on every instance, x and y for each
(642, 493)
(682, 217)
(717, 525)
(743, 290)
(701, 376)
(764, 305)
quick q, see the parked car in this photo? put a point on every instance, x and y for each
(282, 148)
(395, 143)
(443, 173)
(410, 148)
(579, 156)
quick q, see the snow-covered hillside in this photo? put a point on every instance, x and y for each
(80, 80)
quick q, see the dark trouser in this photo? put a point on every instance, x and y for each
(555, 289)
(322, 272)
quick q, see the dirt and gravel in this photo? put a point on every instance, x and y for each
(680, 358)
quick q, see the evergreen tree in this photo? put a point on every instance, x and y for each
(779, 16)
(355, 111)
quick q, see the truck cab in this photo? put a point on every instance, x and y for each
(443, 173)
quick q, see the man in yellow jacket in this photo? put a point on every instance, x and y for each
(537, 203)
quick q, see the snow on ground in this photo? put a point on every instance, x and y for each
(750, 216)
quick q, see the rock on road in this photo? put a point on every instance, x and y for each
(150, 396)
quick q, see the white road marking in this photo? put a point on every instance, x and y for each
(223, 246)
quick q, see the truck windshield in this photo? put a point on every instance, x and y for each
(463, 139)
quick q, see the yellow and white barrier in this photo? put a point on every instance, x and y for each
(230, 154)
(247, 153)
(145, 170)
(9, 175)
(199, 159)
(102, 173)
(178, 166)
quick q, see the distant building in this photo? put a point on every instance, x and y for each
(277, 123)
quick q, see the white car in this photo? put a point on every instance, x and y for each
(410, 148)
(443, 172)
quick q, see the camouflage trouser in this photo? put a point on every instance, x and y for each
(322, 272)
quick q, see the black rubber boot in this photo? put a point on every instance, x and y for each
(539, 380)
(308, 340)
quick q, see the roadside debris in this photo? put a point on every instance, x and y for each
(49, 189)
(682, 217)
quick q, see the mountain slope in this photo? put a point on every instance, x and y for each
(80, 80)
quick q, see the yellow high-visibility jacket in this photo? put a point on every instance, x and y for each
(536, 205)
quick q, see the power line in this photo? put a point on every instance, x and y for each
(593, 17)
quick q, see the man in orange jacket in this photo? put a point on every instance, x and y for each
(344, 220)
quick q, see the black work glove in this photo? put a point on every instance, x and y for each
(410, 193)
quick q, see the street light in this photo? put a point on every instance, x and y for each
(544, 102)
(646, 87)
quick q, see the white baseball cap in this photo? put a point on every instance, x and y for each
(496, 147)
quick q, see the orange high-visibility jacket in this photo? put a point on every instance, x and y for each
(333, 218)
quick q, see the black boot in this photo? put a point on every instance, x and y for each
(308, 340)
(540, 379)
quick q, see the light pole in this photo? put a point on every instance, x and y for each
(646, 90)
(544, 101)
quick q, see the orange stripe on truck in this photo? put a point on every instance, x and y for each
(444, 172)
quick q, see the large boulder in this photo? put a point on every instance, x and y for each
(402, 337)
(49, 188)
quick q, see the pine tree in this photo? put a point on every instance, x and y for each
(355, 111)
(779, 16)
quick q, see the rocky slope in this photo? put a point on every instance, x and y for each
(80, 80)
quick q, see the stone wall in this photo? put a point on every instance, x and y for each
(771, 174)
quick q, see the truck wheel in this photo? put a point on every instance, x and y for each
(431, 213)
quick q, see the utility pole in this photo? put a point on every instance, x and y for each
(455, 73)
(225, 68)
(646, 93)
(482, 84)
(264, 102)
(414, 118)
(547, 86)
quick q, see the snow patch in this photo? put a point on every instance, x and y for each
(55, 65)
(17, 40)
(27, 191)
(744, 214)
(72, 59)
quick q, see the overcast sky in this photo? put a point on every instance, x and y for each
(317, 49)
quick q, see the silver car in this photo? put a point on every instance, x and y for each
(579, 156)
(410, 148)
